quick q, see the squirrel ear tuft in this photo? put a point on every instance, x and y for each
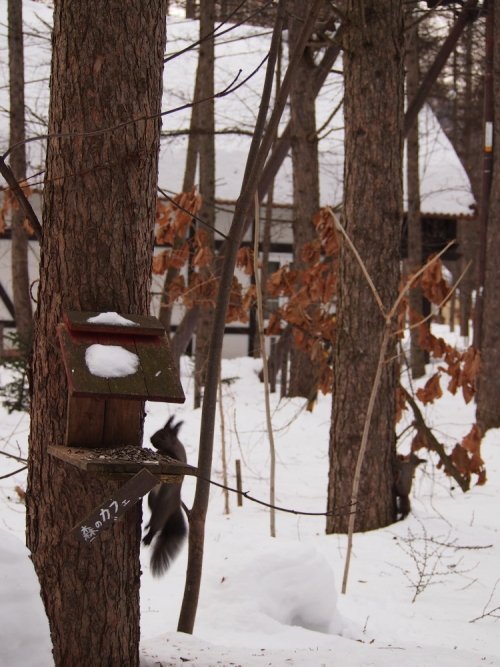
(169, 422)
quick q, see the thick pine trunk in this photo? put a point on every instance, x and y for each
(304, 142)
(373, 107)
(96, 251)
(488, 405)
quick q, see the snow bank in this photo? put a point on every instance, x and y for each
(24, 628)
(293, 584)
(285, 587)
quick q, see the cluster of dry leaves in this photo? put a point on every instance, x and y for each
(461, 369)
(308, 297)
(188, 245)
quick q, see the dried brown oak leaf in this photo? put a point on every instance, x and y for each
(431, 390)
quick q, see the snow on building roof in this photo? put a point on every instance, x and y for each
(445, 186)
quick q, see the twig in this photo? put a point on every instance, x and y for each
(491, 612)
(215, 33)
(232, 87)
(340, 511)
(360, 261)
(416, 275)
(458, 547)
(223, 448)
(11, 474)
(388, 317)
(12, 456)
(361, 454)
(265, 368)
(428, 556)
(192, 215)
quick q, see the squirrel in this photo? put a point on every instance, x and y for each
(405, 470)
(167, 518)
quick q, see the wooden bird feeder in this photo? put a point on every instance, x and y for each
(105, 408)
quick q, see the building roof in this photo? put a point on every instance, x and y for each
(445, 187)
(444, 183)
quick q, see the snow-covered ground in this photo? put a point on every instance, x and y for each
(424, 591)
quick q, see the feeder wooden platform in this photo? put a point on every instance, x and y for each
(123, 462)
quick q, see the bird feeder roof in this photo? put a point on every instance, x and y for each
(107, 355)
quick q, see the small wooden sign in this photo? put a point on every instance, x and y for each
(105, 515)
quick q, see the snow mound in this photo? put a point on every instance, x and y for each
(24, 628)
(296, 586)
(285, 592)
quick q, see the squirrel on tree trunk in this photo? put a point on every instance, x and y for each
(406, 466)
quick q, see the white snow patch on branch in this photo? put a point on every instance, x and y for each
(111, 361)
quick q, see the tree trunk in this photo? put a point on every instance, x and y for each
(488, 408)
(190, 9)
(19, 250)
(414, 221)
(467, 231)
(96, 252)
(304, 142)
(373, 107)
(188, 183)
(206, 124)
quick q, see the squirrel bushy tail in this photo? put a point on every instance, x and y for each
(167, 519)
(168, 543)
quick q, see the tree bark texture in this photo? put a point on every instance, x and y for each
(373, 107)
(96, 252)
(19, 248)
(304, 143)
(488, 407)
